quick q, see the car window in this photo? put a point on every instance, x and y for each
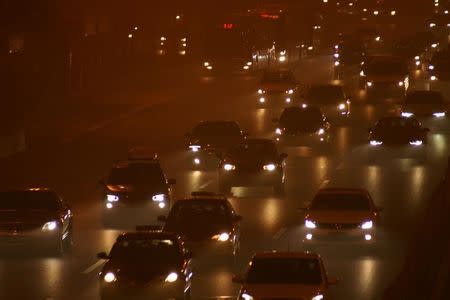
(190, 210)
(285, 271)
(354, 202)
(29, 200)
(137, 174)
(254, 149)
(145, 249)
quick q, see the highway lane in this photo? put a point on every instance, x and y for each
(402, 187)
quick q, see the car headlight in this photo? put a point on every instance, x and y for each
(336, 63)
(401, 83)
(269, 167)
(369, 83)
(336, 55)
(290, 91)
(432, 25)
(206, 64)
(278, 131)
(282, 58)
(229, 167)
(376, 142)
(246, 296)
(50, 226)
(362, 74)
(317, 297)
(249, 63)
(112, 198)
(342, 106)
(407, 114)
(260, 91)
(430, 67)
(416, 143)
(439, 114)
(433, 78)
(195, 148)
(172, 277)
(321, 131)
(367, 225)
(222, 237)
(310, 224)
(159, 197)
(109, 277)
(246, 67)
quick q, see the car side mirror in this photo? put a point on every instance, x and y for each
(237, 218)
(237, 279)
(162, 219)
(171, 181)
(275, 120)
(283, 156)
(332, 280)
(102, 255)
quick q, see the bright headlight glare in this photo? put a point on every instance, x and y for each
(362, 74)
(290, 91)
(401, 83)
(337, 63)
(109, 277)
(367, 225)
(245, 67)
(430, 67)
(222, 237)
(416, 143)
(321, 131)
(369, 83)
(229, 167)
(341, 106)
(432, 25)
(310, 224)
(246, 296)
(249, 63)
(270, 167)
(417, 57)
(112, 198)
(260, 91)
(376, 143)
(407, 114)
(278, 131)
(439, 114)
(195, 148)
(50, 226)
(206, 63)
(317, 297)
(336, 55)
(159, 197)
(172, 277)
(433, 78)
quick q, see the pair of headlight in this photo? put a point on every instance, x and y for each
(342, 106)
(261, 91)
(407, 114)
(290, 91)
(416, 143)
(267, 167)
(312, 225)
(111, 277)
(376, 142)
(195, 148)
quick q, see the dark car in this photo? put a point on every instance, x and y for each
(341, 214)
(398, 133)
(305, 125)
(385, 75)
(254, 162)
(439, 67)
(277, 87)
(424, 104)
(146, 265)
(330, 98)
(35, 217)
(206, 221)
(209, 138)
(134, 191)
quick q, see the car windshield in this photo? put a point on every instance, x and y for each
(354, 202)
(386, 67)
(285, 271)
(217, 129)
(252, 149)
(278, 77)
(397, 123)
(145, 250)
(29, 200)
(137, 174)
(326, 94)
(192, 210)
(303, 117)
(424, 98)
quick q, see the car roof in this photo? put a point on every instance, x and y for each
(152, 234)
(286, 254)
(343, 191)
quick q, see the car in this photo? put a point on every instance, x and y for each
(305, 125)
(439, 25)
(150, 264)
(385, 75)
(285, 275)
(207, 222)
(439, 66)
(416, 49)
(277, 86)
(134, 191)
(254, 162)
(341, 214)
(330, 98)
(424, 103)
(391, 135)
(210, 138)
(35, 218)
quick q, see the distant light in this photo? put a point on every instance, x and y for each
(378, 38)
(337, 63)
(109, 205)
(434, 45)
(288, 100)
(439, 114)
(196, 161)
(228, 26)
(336, 55)
(161, 205)
(136, 28)
(417, 57)
(430, 67)
(416, 143)
(433, 78)
(246, 67)
(262, 100)
(309, 236)
(432, 25)
(163, 38)
(304, 105)
(393, 13)
(178, 17)
(368, 237)
(310, 48)
(130, 36)
(376, 12)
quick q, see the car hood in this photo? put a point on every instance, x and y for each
(282, 291)
(130, 188)
(300, 127)
(396, 137)
(277, 86)
(217, 142)
(386, 78)
(339, 217)
(140, 271)
(36, 217)
(198, 230)
(423, 108)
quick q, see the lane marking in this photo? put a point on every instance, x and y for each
(279, 233)
(205, 184)
(94, 266)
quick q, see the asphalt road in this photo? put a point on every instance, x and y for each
(73, 164)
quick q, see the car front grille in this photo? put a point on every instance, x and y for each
(338, 226)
